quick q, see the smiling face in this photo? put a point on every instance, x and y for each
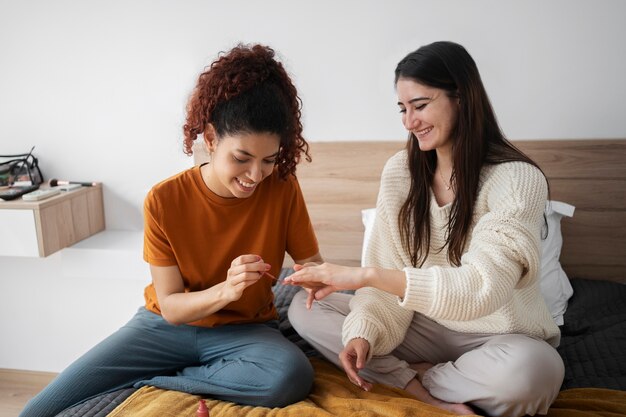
(427, 112)
(239, 162)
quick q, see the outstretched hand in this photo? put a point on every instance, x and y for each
(322, 280)
(352, 359)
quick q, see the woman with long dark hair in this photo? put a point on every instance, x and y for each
(447, 306)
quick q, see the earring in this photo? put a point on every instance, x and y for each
(207, 152)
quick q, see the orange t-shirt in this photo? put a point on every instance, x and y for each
(189, 226)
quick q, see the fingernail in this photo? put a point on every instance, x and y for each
(268, 266)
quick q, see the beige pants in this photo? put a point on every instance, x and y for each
(503, 375)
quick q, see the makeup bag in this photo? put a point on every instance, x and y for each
(20, 169)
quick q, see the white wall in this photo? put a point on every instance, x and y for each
(99, 87)
(48, 317)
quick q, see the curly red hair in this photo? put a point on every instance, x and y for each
(236, 74)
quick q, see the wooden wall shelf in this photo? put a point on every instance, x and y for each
(40, 228)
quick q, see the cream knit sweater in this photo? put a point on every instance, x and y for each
(494, 291)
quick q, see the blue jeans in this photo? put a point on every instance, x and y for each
(250, 364)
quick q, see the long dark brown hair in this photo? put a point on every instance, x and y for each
(246, 90)
(477, 140)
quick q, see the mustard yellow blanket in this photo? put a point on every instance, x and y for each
(334, 395)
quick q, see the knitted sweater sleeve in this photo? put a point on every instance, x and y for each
(376, 315)
(503, 252)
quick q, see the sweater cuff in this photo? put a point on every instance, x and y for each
(420, 288)
(360, 328)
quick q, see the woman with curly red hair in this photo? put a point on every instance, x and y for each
(215, 236)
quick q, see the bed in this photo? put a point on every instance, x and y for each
(343, 180)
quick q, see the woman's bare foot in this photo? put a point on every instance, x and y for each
(421, 368)
(416, 389)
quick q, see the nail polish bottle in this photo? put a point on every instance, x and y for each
(202, 410)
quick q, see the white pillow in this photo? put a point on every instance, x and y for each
(367, 216)
(554, 284)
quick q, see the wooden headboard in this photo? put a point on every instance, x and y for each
(344, 177)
